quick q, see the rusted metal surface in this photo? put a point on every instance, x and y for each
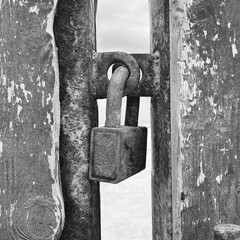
(227, 232)
(117, 152)
(102, 61)
(31, 204)
(75, 38)
(205, 112)
(160, 112)
(132, 111)
(114, 96)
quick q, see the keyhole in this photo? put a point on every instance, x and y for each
(126, 207)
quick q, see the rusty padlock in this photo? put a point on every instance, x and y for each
(117, 152)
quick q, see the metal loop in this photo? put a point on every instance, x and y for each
(114, 97)
(106, 59)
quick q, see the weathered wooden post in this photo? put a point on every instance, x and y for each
(31, 205)
(205, 116)
(161, 127)
(75, 37)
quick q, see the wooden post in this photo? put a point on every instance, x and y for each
(75, 38)
(205, 116)
(161, 138)
(31, 205)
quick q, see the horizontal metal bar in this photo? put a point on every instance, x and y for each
(227, 232)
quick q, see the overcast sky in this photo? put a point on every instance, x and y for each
(123, 25)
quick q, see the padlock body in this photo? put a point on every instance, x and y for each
(117, 153)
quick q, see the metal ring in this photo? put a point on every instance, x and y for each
(106, 59)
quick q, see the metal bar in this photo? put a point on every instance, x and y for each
(148, 86)
(161, 121)
(114, 97)
(31, 204)
(75, 37)
(132, 111)
(227, 232)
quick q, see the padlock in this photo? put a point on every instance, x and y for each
(117, 152)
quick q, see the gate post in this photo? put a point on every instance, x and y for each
(31, 204)
(205, 116)
(161, 136)
(75, 38)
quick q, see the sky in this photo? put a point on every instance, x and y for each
(123, 25)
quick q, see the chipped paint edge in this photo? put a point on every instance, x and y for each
(53, 158)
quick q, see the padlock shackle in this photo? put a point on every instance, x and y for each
(132, 108)
(114, 97)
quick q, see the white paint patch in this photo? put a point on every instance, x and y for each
(53, 158)
(215, 202)
(25, 92)
(12, 206)
(201, 175)
(214, 105)
(43, 99)
(3, 78)
(224, 150)
(49, 98)
(215, 37)
(219, 178)
(10, 91)
(18, 100)
(1, 148)
(49, 118)
(208, 60)
(34, 9)
(11, 125)
(19, 109)
(205, 33)
(234, 50)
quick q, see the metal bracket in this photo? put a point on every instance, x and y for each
(149, 82)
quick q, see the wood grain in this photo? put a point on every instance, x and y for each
(205, 116)
(160, 112)
(31, 204)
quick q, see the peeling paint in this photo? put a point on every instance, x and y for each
(10, 91)
(19, 109)
(12, 207)
(55, 129)
(219, 178)
(234, 50)
(34, 9)
(201, 175)
(25, 92)
(1, 149)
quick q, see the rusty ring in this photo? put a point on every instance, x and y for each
(109, 58)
